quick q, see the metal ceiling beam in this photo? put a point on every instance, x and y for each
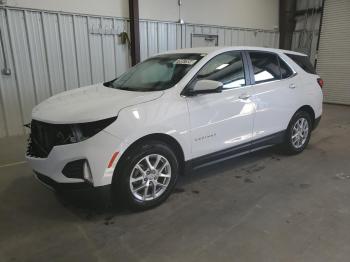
(134, 31)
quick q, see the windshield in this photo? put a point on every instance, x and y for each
(157, 73)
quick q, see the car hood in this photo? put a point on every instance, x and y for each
(87, 104)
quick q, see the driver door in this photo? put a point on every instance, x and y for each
(221, 121)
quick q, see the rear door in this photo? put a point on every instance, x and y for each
(273, 93)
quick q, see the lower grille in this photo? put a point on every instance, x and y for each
(61, 186)
(74, 169)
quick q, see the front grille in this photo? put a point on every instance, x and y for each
(44, 137)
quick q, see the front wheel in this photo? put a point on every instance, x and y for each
(147, 175)
(298, 133)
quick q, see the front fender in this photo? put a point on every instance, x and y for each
(156, 117)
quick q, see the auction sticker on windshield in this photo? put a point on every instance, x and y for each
(185, 62)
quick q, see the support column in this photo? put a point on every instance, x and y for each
(287, 22)
(134, 31)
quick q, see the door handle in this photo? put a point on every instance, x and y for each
(244, 96)
(292, 86)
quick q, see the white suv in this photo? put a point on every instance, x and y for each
(190, 107)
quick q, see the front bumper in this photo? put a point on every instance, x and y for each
(55, 186)
(97, 151)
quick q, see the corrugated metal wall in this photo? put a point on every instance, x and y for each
(159, 36)
(50, 52)
(333, 62)
(305, 35)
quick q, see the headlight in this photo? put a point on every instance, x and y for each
(44, 136)
(83, 131)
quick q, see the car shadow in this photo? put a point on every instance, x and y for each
(91, 206)
(250, 159)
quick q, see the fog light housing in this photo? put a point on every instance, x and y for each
(87, 172)
(79, 169)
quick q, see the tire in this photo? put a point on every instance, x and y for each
(135, 173)
(296, 139)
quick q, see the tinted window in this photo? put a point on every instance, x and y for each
(157, 73)
(286, 71)
(226, 68)
(303, 62)
(265, 67)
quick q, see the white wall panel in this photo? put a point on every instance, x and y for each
(37, 47)
(22, 62)
(143, 40)
(262, 14)
(152, 38)
(96, 50)
(82, 50)
(108, 49)
(221, 12)
(172, 37)
(188, 35)
(50, 52)
(122, 54)
(53, 52)
(221, 34)
(157, 36)
(228, 37)
(67, 38)
(162, 37)
(105, 8)
(10, 103)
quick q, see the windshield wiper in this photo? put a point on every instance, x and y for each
(125, 88)
(109, 83)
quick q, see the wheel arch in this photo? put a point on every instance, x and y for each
(308, 109)
(167, 139)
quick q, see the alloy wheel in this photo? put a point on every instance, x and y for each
(300, 132)
(150, 177)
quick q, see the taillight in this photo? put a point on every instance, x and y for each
(320, 82)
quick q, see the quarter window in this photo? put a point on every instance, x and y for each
(303, 62)
(226, 68)
(265, 67)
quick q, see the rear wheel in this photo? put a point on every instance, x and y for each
(298, 133)
(147, 175)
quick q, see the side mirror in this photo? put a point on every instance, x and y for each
(207, 87)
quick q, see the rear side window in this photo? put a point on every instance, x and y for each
(303, 62)
(286, 71)
(265, 67)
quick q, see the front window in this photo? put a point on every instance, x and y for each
(226, 68)
(157, 73)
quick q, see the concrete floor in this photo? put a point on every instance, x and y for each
(262, 207)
